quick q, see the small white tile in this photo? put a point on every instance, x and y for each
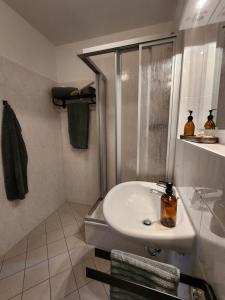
(102, 265)
(11, 286)
(93, 291)
(36, 256)
(80, 209)
(62, 284)
(55, 235)
(18, 249)
(59, 263)
(18, 297)
(13, 265)
(36, 274)
(80, 272)
(74, 241)
(71, 229)
(56, 248)
(39, 292)
(73, 296)
(52, 226)
(39, 230)
(81, 252)
(67, 219)
(36, 241)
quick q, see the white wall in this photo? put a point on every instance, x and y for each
(27, 61)
(21, 43)
(71, 68)
(196, 168)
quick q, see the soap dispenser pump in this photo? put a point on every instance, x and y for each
(168, 207)
(189, 128)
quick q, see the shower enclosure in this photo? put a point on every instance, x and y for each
(137, 84)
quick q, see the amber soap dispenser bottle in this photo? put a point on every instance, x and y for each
(189, 128)
(168, 207)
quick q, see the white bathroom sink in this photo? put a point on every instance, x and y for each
(128, 204)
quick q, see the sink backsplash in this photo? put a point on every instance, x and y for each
(200, 179)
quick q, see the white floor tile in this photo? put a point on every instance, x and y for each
(13, 265)
(36, 256)
(39, 230)
(73, 296)
(52, 226)
(102, 265)
(36, 274)
(18, 249)
(19, 297)
(39, 292)
(62, 285)
(11, 286)
(93, 291)
(73, 241)
(36, 241)
(80, 272)
(80, 209)
(59, 263)
(67, 219)
(78, 254)
(71, 229)
(55, 235)
(57, 248)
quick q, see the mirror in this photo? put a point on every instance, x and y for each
(203, 75)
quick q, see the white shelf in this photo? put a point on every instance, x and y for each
(218, 149)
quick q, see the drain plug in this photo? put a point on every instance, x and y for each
(147, 222)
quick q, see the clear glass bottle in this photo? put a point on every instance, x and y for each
(168, 207)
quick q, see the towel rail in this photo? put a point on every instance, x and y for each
(64, 101)
(144, 290)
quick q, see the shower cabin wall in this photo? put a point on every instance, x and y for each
(106, 62)
(138, 112)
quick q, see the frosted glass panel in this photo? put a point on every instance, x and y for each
(129, 112)
(106, 62)
(156, 72)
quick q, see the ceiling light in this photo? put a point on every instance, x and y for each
(201, 3)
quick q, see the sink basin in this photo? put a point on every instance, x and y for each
(128, 204)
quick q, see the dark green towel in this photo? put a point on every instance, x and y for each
(78, 124)
(138, 269)
(14, 156)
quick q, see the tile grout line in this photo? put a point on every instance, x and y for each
(49, 282)
(24, 268)
(70, 257)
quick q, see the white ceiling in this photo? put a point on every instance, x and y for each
(65, 21)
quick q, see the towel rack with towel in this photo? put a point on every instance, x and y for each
(144, 290)
(62, 102)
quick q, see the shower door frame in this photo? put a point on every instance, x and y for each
(118, 48)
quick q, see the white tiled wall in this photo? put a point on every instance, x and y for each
(29, 95)
(200, 178)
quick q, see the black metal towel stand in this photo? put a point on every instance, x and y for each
(145, 291)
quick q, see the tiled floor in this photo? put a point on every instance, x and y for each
(49, 264)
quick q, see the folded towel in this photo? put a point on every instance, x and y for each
(141, 270)
(14, 156)
(64, 92)
(78, 124)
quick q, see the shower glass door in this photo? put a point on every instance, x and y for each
(143, 88)
(155, 77)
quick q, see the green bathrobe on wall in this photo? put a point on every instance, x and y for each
(14, 156)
